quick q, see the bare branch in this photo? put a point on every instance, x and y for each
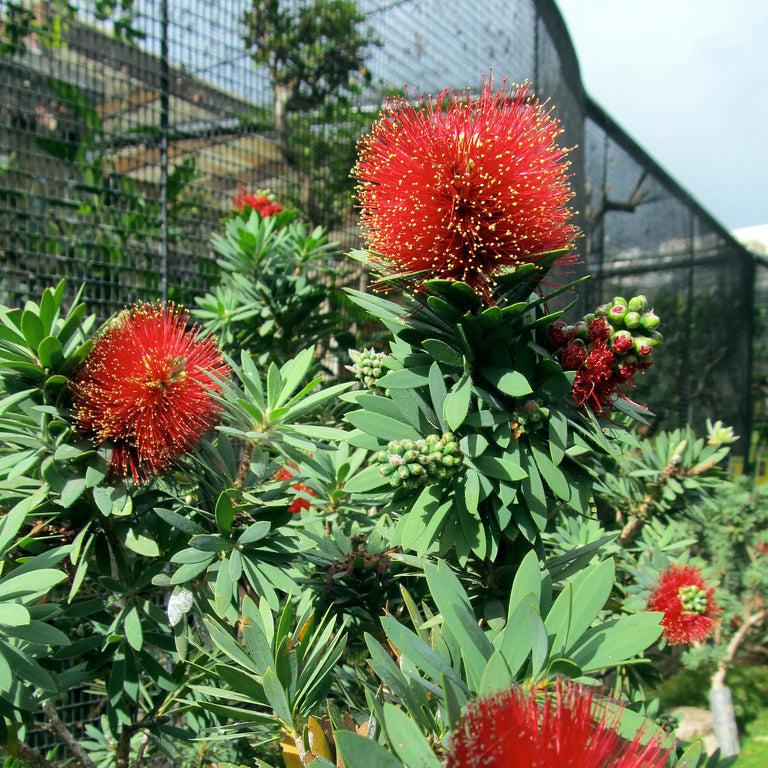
(61, 730)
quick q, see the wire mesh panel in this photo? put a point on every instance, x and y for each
(647, 235)
(127, 129)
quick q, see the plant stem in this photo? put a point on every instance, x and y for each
(245, 465)
(61, 730)
(28, 755)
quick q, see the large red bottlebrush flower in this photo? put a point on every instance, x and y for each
(689, 607)
(301, 502)
(262, 203)
(462, 188)
(146, 388)
(512, 729)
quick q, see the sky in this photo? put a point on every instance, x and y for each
(688, 80)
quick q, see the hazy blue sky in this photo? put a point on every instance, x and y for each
(688, 79)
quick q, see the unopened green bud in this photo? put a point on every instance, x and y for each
(638, 303)
(619, 301)
(657, 338)
(616, 314)
(632, 320)
(643, 346)
(651, 321)
(602, 310)
(589, 318)
(580, 330)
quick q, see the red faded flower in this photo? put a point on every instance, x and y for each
(557, 335)
(689, 607)
(599, 330)
(573, 356)
(626, 372)
(264, 204)
(512, 729)
(463, 188)
(595, 382)
(300, 502)
(145, 387)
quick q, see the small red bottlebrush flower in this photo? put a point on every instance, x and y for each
(595, 382)
(300, 502)
(512, 729)
(146, 387)
(573, 356)
(462, 188)
(558, 335)
(262, 203)
(689, 606)
(762, 548)
(599, 330)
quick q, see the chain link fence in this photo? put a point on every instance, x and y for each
(126, 129)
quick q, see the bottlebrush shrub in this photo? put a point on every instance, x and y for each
(277, 292)
(519, 442)
(89, 557)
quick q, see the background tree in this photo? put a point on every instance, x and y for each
(315, 56)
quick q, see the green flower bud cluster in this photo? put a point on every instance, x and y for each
(529, 418)
(693, 599)
(368, 366)
(633, 327)
(415, 463)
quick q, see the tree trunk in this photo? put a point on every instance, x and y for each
(721, 705)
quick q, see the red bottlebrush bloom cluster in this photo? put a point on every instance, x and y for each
(462, 188)
(606, 349)
(512, 730)
(262, 203)
(300, 502)
(145, 387)
(689, 606)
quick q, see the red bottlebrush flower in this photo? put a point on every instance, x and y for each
(762, 548)
(573, 356)
(512, 730)
(262, 203)
(626, 372)
(463, 188)
(599, 330)
(300, 502)
(145, 386)
(595, 382)
(689, 607)
(557, 335)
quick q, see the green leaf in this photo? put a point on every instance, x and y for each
(511, 383)
(403, 379)
(141, 544)
(413, 648)
(292, 373)
(617, 641)
(33, 582)
(276, 697)
(32, 328)
(453, 604)
(443, 352)
(406, 739)
(133, 631)
(359, 752)
(437, 392)
(274, 386)
(558, 435)
(456, 405)
(72, 491)
(49, 352)
(368, 480)
(471, 491)
(501, 469)
(383, 427)
(496, 675)
(553, 476)
(13, 615)
(225, 511)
